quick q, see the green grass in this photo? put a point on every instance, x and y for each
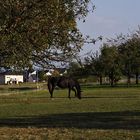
(101, 114)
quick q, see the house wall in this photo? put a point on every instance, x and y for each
(17, 78)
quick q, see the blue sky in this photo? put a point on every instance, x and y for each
(110, 18)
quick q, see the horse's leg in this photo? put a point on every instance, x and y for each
(69, 93)
(74, 91)
(51, 88)
(52, 92)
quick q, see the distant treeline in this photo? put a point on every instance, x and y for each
(117, 58)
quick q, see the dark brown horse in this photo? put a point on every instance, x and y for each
(64, 82)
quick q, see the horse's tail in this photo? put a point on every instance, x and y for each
(78, 88)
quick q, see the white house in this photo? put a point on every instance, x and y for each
(9, 78)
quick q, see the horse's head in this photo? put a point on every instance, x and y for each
(79, 94)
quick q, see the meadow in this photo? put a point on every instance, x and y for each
(102, 114)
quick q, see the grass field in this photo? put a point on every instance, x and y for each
(102, 114)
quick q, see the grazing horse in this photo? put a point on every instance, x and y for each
(64, 82)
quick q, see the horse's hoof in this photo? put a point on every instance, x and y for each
(52, 98)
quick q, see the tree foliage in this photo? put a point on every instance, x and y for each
(130, 55)
(111, 62)
(119, 56)
(40, 31)
(94, 65)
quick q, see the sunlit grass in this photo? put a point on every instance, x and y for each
(102, 114)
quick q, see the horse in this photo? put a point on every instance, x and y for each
(64, 82)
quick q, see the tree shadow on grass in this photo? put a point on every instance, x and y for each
(22, 88)
(89, 120)
(108, 97)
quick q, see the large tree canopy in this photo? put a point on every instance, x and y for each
(39, 31)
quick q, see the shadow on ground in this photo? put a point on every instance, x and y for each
(91, 120)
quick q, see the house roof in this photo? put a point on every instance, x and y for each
(11, 73)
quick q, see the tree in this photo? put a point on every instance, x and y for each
(40, 32)
(111, 62)
(94, 64)
(130, 55)
(75, 69)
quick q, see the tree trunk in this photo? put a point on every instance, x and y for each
(137, 78)
(128, 80)
(111, 76)
(101, 81)
(112, 82)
